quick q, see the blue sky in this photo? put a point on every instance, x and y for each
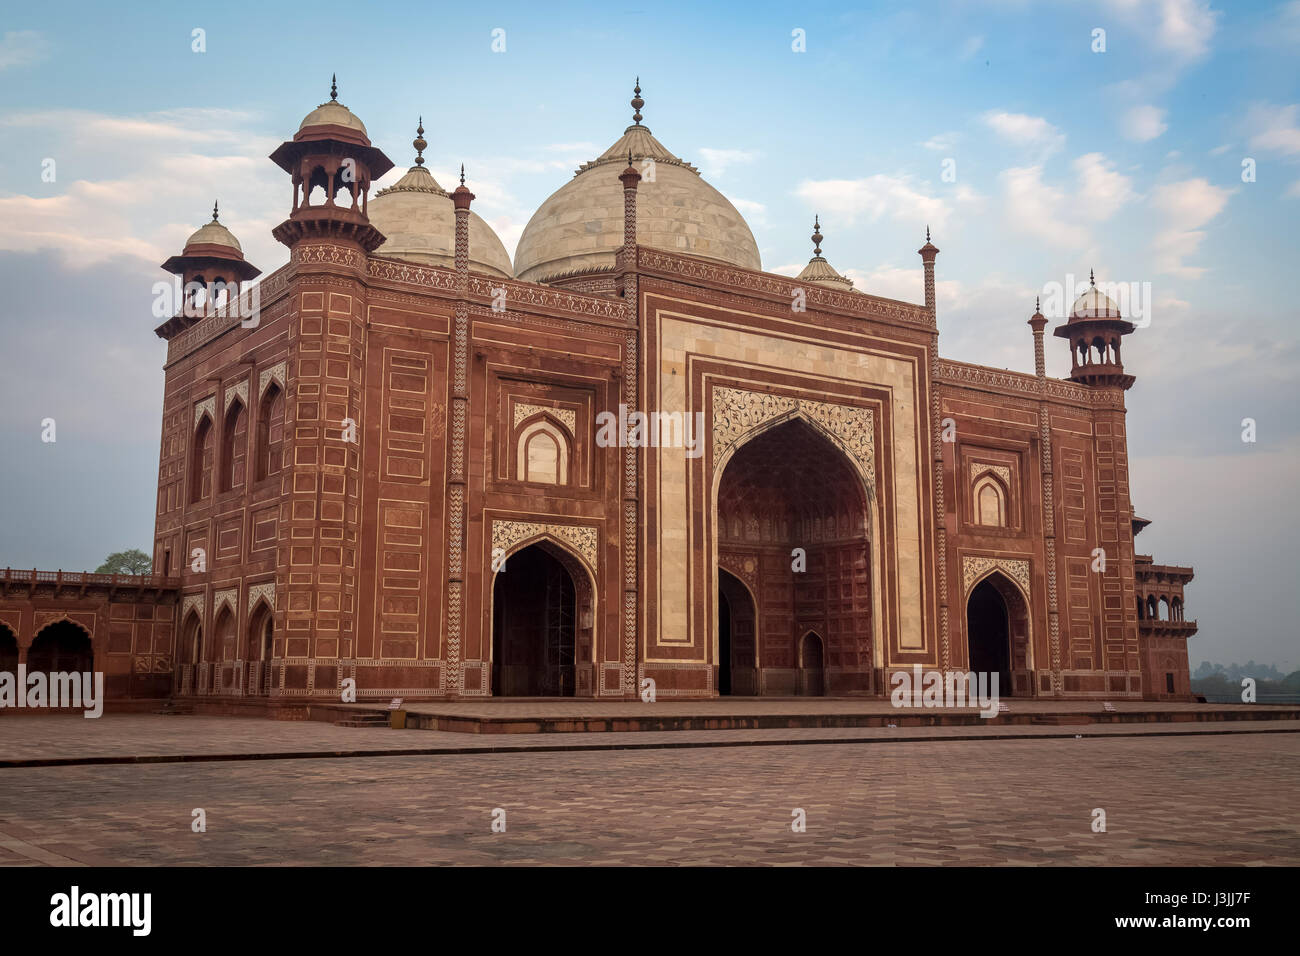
(1128, 161)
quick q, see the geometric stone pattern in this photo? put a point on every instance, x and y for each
(726, 806)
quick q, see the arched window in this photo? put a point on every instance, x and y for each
(543, 454)
(990, 503)
(1153, 613)
(201, 461)
(1176, 609)
(1164, 609)
(1140, 609)
(270, 432)
(234, 446)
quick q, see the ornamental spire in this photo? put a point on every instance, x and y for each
(637, 102)
(334, 86)
(817, 236)
(462, 174)
(419, 143)
(214, 210)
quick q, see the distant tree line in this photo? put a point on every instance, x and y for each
(1216, 680)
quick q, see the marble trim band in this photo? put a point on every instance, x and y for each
(582, 538)
(975, 567)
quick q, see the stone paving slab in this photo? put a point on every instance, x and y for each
(1190, 799)
(53, 739)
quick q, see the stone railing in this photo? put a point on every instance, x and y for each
(65, 578)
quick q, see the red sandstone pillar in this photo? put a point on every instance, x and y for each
(627, 261)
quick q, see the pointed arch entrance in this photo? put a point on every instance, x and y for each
(793, 522)
(997, 633)
(8, 650)
(61, 646)
(737, 646)
(542, 624)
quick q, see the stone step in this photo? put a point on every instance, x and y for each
(363, 720)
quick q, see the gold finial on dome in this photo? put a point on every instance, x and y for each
(419, 143)
(214, 210)
(637, 103)
(817, 236)
(334, 87)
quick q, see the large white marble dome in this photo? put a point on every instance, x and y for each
(579, 229)
(418, 221)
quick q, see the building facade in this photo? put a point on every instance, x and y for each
(421, 470)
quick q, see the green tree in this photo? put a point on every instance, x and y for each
(134, 561)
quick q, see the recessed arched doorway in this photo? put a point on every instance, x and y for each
(997, 633)
(8, 651)
(61, 647)
(793, 513)
(737, 649)
(812, 666)
(540, 625)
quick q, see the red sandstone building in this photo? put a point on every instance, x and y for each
(392, 473)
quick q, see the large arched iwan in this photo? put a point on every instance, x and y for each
(793, 525)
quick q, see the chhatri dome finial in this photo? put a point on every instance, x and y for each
(419, 143)
(817, 236)
(637, 102)
(334, 86)
(927, 233)
(1092, 278)
(214, 210)
(462, 174)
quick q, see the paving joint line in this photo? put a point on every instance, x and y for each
(25, 762)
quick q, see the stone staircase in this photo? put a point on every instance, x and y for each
(363, 720)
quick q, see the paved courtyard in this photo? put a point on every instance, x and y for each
(1188, 799)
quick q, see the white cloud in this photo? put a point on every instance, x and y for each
(1293, 191)
(21, 48)
(1053, 213)
(1273, 128)
(1102, 191)
(1033, 207)
(1183, 28)
(716, 161)
(1184, 207)
(1143, 123)
(114, 198)
(1220, 150)
(1020, 129)
(898, 198)
(942, 142)
(970, 47)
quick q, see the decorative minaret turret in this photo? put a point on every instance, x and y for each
(457, 444)
(212, 268)
(1094, 329)
(928, 253)
(629, 177)
(332, 151)
(1038, 322)
(818, 271)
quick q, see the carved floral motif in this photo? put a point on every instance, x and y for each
(583, 539)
